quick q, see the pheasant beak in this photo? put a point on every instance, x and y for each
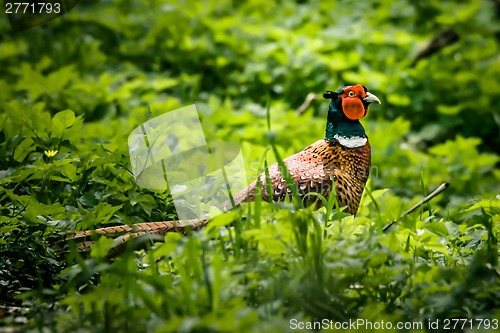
(371, 98)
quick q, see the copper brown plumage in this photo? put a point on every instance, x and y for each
(342, 158)
(315, 169)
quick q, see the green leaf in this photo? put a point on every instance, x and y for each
(61, 121)
(36, 209)
(374, 196)
(449, 110)
(23, 149)
(70, 171)
(222, 220)
(147, 202)
(492, 203)
(100, 214)
(437, 228)
(400, 100)
(8, 228)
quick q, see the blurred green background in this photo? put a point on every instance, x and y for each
(82, 82)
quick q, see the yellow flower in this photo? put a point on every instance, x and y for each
(50, 153)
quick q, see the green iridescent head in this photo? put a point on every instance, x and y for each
(348, 105)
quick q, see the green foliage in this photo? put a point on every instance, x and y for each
(73, 89)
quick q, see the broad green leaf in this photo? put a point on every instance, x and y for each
(70, 171)
(61, 121)
(23, 149)
(493, 203)
(437, 228)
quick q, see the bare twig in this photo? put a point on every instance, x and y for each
(303, 108)
(444, 38)
(428, 198)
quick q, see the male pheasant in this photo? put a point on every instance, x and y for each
(342, 158)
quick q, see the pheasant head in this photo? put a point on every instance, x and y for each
(348, 105)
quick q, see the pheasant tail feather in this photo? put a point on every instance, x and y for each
(142, 232)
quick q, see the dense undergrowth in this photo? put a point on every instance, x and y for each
(79, 85)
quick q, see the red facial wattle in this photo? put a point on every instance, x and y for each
(353, 108)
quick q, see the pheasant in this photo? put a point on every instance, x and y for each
(342, 159)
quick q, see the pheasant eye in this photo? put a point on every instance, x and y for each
(351, 94)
